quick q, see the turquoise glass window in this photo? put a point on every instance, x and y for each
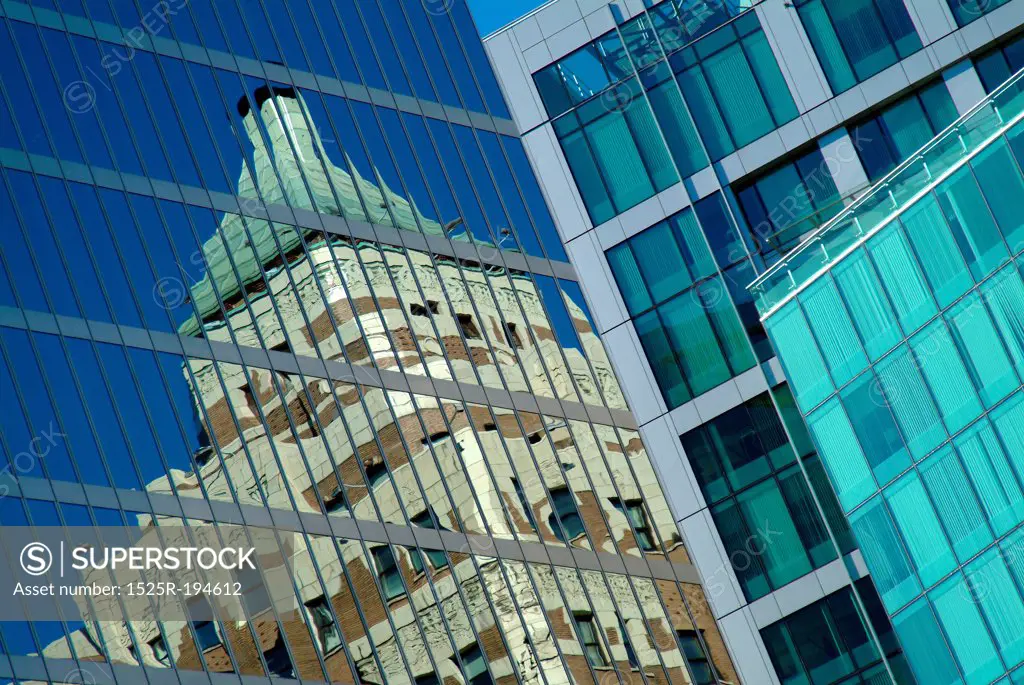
(901, 129)
(956, 503)
(905, 285)
(615, 151)
(1000, 601)
(994, 480)
(969, 639)
(674, 120)
(875, 427)
(998, 65)
(1009, 422)
(662, 359)
(726, 241)
(1001, 181)
(661, 262)
(1004, 295)
(919, 526)
(925, 646)
(968, 217)
(946, 375)
(733, 86)
(885, 556)
(867, 303)
(841, 453)
(856, 39)
(833, 331)
(805, 369)
(905, 393)
(937, 251)
(784, 203)
(983, 354)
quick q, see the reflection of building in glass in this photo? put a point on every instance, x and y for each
(413, 398)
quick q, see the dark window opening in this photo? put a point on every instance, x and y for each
(469, 329)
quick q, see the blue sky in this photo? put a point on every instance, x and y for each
(493, 14)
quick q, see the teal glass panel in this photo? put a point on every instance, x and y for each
(664, 366)
(694, 342)
(737, 94)
(1012, 548)
(709, 121)
(944, 371)
(841, 453)
(869, 308)
(1009, 422)
(736, 537)
(793, 420)
(628, 276)
(588, 176)
(805, 370)
(937, 251)
(1000, 602)
(694, 245)
(661, 262)
(994, 480)
(966, 11)
(1002, 185)
(833, 330)
(875, 428)
(979, 345)
(651, 144)
(968, 637)
(906, 394)
(619, 160)
(773, 84)
(813, 536)
(827, 47)
(925, 646)
(1004, 295)
(713, 296)
(917, 522)
(956, 504)
(909, 293)
(677, 127)
(884, 555)
(967, 215)
(784, 556)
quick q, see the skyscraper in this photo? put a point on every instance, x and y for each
(901, 328)
(685, 148)
(284, 267)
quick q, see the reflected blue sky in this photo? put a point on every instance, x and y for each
(491, 15)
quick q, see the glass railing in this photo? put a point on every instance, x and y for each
(990, 117)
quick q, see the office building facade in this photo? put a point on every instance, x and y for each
(685, 148)
(285, 265)
(910, 306)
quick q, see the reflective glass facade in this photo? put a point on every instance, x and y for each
(905, 355)
(288, 265)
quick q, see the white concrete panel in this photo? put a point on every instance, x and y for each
(599, 22)
(823, 118)
(751, 383)
(527, 32)
(793, 50)
(610, 233)
(842, 161)
(634, 373)
(641, 217)
(765, 611)
(931, 18)
(556, 182)
(556, 16)
(597, 282)
(568, 39)
(702, 184)
(673, 199)
(747, 649)
(685, 418)
(1006, 18)
(795, 133)
(762, 151)
(708, 555)
(801, 592)
(948, 50)
(537, 57)
(964, 86)
(678, 481)
(515, 81)
(833, 576)
(718, 400)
